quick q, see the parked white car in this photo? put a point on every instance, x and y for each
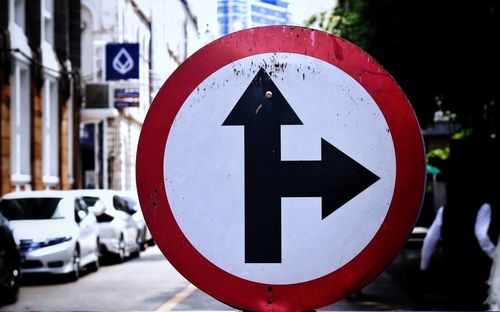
(132, 201)
(54, 230)
(118, 231)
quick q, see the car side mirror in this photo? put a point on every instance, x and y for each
(81, 215)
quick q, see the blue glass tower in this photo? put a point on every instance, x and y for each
(235, 15)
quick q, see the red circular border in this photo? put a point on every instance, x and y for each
(403, 210)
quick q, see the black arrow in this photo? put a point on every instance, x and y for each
(336, 178)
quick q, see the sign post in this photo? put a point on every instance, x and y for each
(280, 168)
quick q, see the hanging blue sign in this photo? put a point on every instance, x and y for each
(122, 61)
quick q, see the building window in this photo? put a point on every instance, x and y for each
(50, 140)
(20, 143)
(99, 61)
(48, 21)
(19, 13)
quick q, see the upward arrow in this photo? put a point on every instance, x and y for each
(336, 178)
(254, 105)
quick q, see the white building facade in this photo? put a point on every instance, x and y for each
(167, 33)
(175, 37)
(37, 84)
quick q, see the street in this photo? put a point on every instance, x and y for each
(142, 284)
(150, 283)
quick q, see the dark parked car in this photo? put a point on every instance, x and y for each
(9, 264)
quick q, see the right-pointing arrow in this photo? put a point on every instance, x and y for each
(336, 178)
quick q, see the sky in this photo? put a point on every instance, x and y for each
(206, 11)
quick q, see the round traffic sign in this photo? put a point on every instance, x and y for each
(280, 168)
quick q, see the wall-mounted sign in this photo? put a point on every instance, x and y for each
(122, 61)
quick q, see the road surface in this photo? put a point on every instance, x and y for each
(150, 283)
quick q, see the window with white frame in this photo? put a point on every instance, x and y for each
(99, 61)
(20, 117)
(20, 13)
(48, 21)
(50, 132)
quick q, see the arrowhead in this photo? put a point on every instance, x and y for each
(254, 102)
(345, 178)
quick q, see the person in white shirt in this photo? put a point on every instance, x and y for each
(464, 277)
(468, 226)
(481, 227)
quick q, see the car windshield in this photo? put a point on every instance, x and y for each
(89, 200)
(131, 203)
(31, 208)
(124, 204)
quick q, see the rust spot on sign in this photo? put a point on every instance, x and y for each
(152, 202)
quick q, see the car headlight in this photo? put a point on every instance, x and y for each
(57, 240)
(30, 245)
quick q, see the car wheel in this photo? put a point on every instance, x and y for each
(151, 242)
(98, 251)
(94, 266)
(137, 252)
(75, 274)
(142, 240)
(9, 292)
(120, 256)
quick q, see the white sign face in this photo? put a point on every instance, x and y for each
(207, 165)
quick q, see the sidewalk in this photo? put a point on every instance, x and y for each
(402, 286)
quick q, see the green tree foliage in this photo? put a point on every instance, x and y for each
(434, 49)
(348, 24)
